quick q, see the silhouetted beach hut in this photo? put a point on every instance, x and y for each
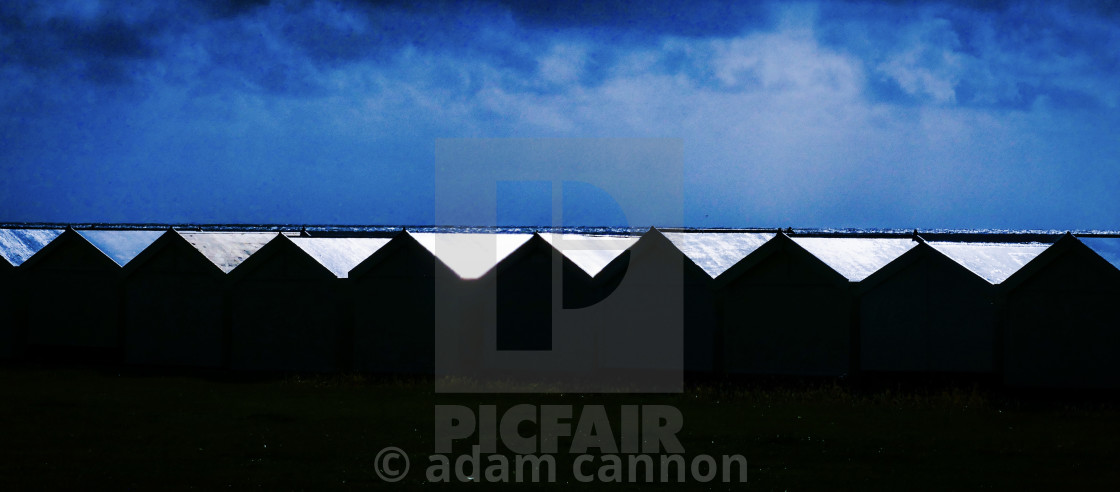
(72, 301)
(856, 258)
(393, 294)
(529, 294)
(174, 311)
(16, 246)
(710, 253)
(924, 312)
(1060, 324)
(340, 255)
(784, 310)
(677, 270)
(462, 308)
(7, 307)
(641, 307)
(288, 309)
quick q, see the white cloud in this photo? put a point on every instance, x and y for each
(563, 64)
(779, 127)
(927, 65)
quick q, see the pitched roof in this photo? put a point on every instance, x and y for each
(227, 249)
(17, 245)
(121, 246)
(591, 253)
(470, 255)
(994, 262)
(855, 258)
(339, 254)
(1107, 247)
(716, 252)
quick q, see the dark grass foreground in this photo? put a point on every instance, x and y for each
(89, 428)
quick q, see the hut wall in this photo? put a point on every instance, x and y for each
(786, 315)
(72, 300)
(286, 315)
(513, 309)
(394, 310)
(8, 306)
(1063, 327)
(640, 325)
(523, 289)
(173, 311)
(699, 336)
(932, 316)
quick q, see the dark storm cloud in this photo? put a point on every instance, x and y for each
(814, 113)
(230, 8)
(998, 54)
(656, 17)
(269, 41)
(103, 49)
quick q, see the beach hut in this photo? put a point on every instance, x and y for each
(706, 256)
(340, 255)
(675, 271)
(288, 309)
(16, 246)
(783, 310)
(464, 310)
(640, 321)
(72, 301)
(531, 316)
(393, 292)
(525, 300)
(7, 325)
(1061, 329)
(924, 312)
(174, 308)
(855, 258)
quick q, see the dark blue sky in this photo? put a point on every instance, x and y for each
(817, 114)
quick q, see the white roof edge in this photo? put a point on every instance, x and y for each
(595, 252)
(856, 258)
(124, 252)
(994, 262)
(339, 261)
(717, 252)
(474, 256)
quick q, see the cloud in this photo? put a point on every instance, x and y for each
(649, 17)
(830, 114)
(100, 48)
(1004, 56)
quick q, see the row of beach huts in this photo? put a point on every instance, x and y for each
(1042, 311)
